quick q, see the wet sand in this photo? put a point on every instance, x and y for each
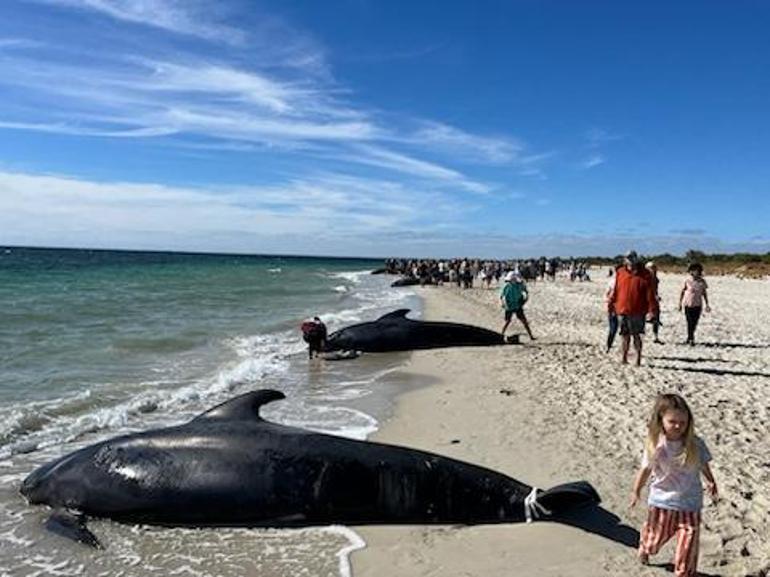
(561, 409)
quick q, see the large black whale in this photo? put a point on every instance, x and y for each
(229, 467)
(395, 332)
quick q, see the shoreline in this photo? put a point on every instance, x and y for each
(560, 409)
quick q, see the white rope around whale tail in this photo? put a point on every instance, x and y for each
(532, 509)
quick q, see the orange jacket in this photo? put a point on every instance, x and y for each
(634, 293)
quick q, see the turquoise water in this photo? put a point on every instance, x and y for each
(97, 343)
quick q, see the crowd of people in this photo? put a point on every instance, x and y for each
(632, 297)
(465, 272)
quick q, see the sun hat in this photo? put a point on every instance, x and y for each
(510, 276)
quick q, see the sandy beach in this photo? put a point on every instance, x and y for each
(561, 409)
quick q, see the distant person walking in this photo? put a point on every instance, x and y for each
(653, 268)
(693, 297)
(633, 298)
(314, 334)
(512, 298)
(612, 317)
(674, 459)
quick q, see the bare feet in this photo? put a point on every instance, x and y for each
(644, 558)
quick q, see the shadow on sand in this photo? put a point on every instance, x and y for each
(707, 371)
(690, 359)
(670, 568)
(600, 521)
(734, 345)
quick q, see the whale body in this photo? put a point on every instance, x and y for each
(229, 467)
(395, 332)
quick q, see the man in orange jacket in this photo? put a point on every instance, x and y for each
(633, 299)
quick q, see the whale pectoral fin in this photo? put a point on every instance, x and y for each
(399, 314)
(72, 526)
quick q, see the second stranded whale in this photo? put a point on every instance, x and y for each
(395, 332)
(229, 467)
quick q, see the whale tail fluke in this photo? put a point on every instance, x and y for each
(562, 498)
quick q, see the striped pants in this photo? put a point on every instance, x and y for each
(661, 525)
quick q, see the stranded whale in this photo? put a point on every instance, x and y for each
(395, 332)
(229, 467)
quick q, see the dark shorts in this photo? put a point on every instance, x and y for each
(518, 312)
(631, 324)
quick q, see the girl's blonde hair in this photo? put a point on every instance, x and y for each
(689, 457)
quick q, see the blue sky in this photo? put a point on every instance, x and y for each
(389, 127)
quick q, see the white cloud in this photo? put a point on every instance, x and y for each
(592, 161)
(383, 158)
(480, 148)
(45, 209)
(598, 136)
(189, 17)
(20, 43)
(284, 100)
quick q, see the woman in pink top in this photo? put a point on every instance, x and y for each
(693, 297)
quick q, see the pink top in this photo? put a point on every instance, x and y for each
(694, 289)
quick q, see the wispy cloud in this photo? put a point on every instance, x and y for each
(205, 99)
(592, 161)
(383, 158)
(10, 43)
(273, 90)
(473, 147)
(190, 17)
(303, 206)
(596, 137)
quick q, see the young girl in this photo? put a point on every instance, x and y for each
(674, 457)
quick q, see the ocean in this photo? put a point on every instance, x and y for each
(98, 343)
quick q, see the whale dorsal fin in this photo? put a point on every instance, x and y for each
(399, 314)
(243, 407)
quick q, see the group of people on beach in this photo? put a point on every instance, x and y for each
(674, 457)
(633, 299)
(464, 272)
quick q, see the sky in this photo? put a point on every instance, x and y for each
(384, 128)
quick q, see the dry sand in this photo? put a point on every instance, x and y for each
(560, 409)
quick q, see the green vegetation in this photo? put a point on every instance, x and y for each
(741, 263)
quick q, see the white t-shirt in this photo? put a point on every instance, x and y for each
(674, 486)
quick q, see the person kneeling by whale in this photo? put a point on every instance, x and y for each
(314, 334)
(229, 467)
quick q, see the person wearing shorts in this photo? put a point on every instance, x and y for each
(634, 301)
(512, 298)
(631, 324)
